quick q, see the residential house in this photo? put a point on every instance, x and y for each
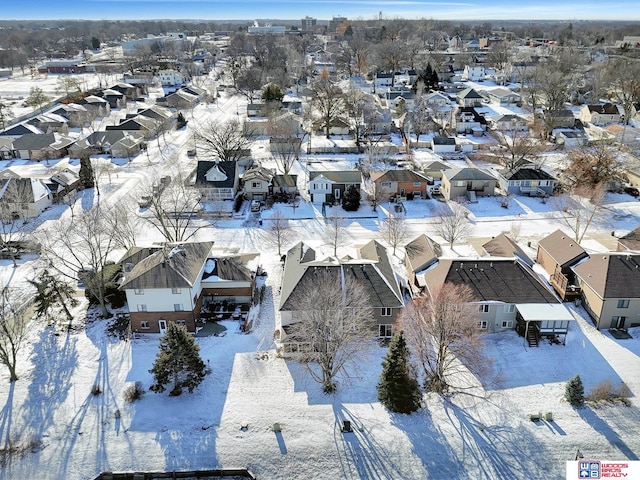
(132, 92)
(402, 183)
(370, 267)
(217, 180)
(505, 247)
(166, 287)
(509, 123)
(337, 126)
(117, 143)
(469, 98)
(50, 123)
(570, 138)
(181, 99)
(467, 182)
(17, 131)
(63, 185)
(146, 126)
(329, 186)
(557, 253)
(200, 93)
(473, 73)
(77, 115)
(284, 185)
(469, 120)
(162, 116)
(434, 169)
(96, 106)
(115, 98)
(21, 196)
(526, 178)
(382, 81)
(6, 148)
(503, 96)
(630, 241)
(420, 254)
(42, 146)
(563, 118)
(508, 295)
(610, 286)
(257, 183)
(442, 145)
(604, 114)
(170, 78)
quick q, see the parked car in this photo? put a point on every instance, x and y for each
(255, 205)
(633, 191)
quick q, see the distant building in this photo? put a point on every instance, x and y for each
(308, 23)
(336, 22)
(266, 30)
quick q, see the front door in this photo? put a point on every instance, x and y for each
(162, 325)
(618, 322)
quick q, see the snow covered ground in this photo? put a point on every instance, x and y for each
(59, 430)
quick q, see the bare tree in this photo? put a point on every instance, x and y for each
(580, 208)
(172, 208)
(249, 82)
(285, 142)
(361, 108)
(328, 101)
(395, 230)
(15, 192)
(37, 98)
(516, 147)
(83, 244)
(6, 114)
(441, 331)
(377, 194)
(279, 232)
(226, 141)
(452, 223)
(13, 328)
(125, 224)
(335, 232)
(593, 165)
(334, 319)
(419, 118)
(391, 55)
(625, 84)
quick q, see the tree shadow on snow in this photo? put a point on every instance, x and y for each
(6, 439)
(495, 448)
(592, 419)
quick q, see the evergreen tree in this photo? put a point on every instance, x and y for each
(178, 362)
(574, 392)
(51, 291)
(86, 173)
(399, 389)
(272, 93)
(351, 199)
(180, 121)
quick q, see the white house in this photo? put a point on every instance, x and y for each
(473, 72)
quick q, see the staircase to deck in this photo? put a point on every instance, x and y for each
(532, 337)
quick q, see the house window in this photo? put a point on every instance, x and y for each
(144, 325)
(460, 183)
(482, 325)
(386, 312)
(384, 331)
(138, 291)
(509, 308)
(417, 184)
(178, 307)
(182, 322)
(386, 184)
(256, 185)
(507, 324)
(142, 307)
(484, 308)
(623, 303)
(176, 291)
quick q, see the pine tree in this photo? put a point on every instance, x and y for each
(399, 389)
(86, 173)
(351, 199)
(574, 392)
(52, 291)
(178, 362)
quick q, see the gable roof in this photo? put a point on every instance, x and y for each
(606, 108)
(443, 140)
(503, 246)
(469, 93)
(21, 129)
(611, 275)
(401, 175)
(34, 141)
(175, 266)
(631, 241)
(508, 281)
(228, 168)
(421, 253)
(229, 268)
(525, 174)
(281, 180)
(562, 248)
(372, 270)
(259, 173)
(337, 176)
(467, 173)
(481, 119)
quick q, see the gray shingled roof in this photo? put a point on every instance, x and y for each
(467, 174)
(508, 281)
(338, 176)
(171, 267)
(611, 275)
(422, 252)
(229, 168)
(402, 175)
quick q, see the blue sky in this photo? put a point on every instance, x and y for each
(321, 9)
